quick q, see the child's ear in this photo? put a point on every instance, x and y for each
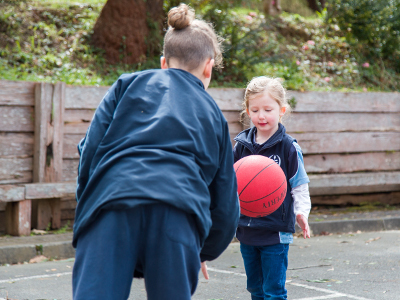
(208, 68)
(282, 112)
(163, 63)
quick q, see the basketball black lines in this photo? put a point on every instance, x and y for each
(254, 177)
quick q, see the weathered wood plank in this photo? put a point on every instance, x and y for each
(228, 99)
(383, 198)
(84, 97)
(16, 144)
(70, 169)
(356, 162)
(53, 168)
(346, 102)
(77, 121)
(50, 190)
(16, 118)
(347, 142)
(68, 203)
(358, 183)
(17, 93)
(68, 214)
(336, 122)
(43, 98)
(18, 218)
(70, 150)
(21, 177)
(49, 213)
(11, 193)
(15, 170)
(231, 116)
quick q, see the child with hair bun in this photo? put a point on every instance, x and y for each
(156, 189)
(264, 241)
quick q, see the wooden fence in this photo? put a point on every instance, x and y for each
(351, 145)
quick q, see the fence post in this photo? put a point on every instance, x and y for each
(48, 146)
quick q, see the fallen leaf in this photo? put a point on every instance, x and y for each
(37, 259)
(373, 240)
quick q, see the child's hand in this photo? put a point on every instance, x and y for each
(204, 270)
(303, 223)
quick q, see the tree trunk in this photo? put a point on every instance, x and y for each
(272, 7)
(129, 30)
(315, 6)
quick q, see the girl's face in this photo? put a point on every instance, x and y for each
(265, 113)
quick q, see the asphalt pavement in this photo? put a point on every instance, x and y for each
(15, 250)
(361, 266)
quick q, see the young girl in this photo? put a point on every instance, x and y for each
(156, 193)
(264, 242)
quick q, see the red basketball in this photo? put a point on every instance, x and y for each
(261, 185)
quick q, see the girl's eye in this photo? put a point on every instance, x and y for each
(254, 111)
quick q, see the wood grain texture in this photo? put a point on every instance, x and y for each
(338, 122)
(16, 118)
(346, 102)
(53, 168)
(355, 162)
(18, 218)
(43, 107)
(70, 146)
(77, 121)
(17, 93)
(391, 198)
(84, 97)
(49, 190)
(12, 193)
(228, 99)
(70, 169)
(347, 142)
(16, 144)
(49, 213)
(15, 170)
(357, 183)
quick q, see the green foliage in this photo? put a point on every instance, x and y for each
(371, 27)
(49, 40)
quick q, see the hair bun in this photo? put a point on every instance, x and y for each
(180, 17)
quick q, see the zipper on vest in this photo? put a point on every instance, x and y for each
(249, 222)
(283, 212)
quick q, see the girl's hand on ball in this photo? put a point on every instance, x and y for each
(303, 223)
(204, 270)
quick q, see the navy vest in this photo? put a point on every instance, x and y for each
(276, 148)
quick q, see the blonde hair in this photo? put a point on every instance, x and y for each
(191, 40)
(261, 84)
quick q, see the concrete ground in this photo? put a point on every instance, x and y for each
(363, 266)
(351, 255)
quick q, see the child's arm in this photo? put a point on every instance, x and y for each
(302, 206)
(224, 206)
(300, 193)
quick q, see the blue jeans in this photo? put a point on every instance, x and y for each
(266, 270)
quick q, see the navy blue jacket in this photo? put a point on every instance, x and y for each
(158, 137)
(277, 148)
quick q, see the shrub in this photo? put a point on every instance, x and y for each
(373, 27)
